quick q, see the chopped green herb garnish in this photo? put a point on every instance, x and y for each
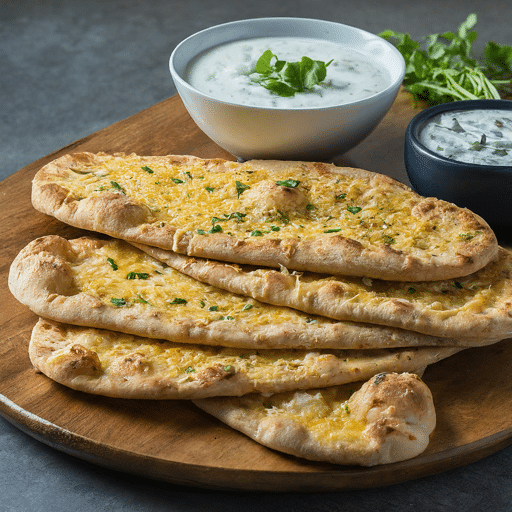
(388, 239)
(247, 307)
(147, 169)
(118, 302)
(340, 196)
(215, 229)
(282, 217)
(256, 232)
(213, 308)
(189, 369)
(288, 183)
(118, 187)
(209, 189)
(354, 209)
(275, 228)
(140, 299)
(241, 188)
(236, 215)
(411, 290)
(477, 146)
(334, 230)
(112, 263)
(228, 368)
(177, 300)
(287, 78)
(177, 181)
(469, 235)
(137, 275)
(310, 207)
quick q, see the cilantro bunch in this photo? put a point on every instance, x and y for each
(287, 78)
(442, 68)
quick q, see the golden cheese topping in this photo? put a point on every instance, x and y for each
(122, 276)
(159, 361)
(296, 203)
(475, 293)
(186, 361)
(324, 413)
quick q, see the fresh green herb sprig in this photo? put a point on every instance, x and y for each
(442, 68)
(287, 78)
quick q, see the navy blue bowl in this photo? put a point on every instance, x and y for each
(484, 189)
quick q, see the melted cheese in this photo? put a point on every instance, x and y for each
(475, 293)
(324, 413)
(160, 288)
(185, 361)
(195, 199)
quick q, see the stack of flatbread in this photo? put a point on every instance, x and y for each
(265, 291)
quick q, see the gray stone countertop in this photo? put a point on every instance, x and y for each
(72, 67)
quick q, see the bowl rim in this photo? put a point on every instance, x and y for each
(420, 119)
(177, 77)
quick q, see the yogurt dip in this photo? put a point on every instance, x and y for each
(227, 72)
(471, 136)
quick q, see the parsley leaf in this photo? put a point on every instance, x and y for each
(287, 78)
(118, 187)
(112, 263)
(137, 275)
(118, 302)
(442, 68)
(288, 183)
(241, 188)
(177, 300)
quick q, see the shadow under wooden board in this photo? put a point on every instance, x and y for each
(173, 440)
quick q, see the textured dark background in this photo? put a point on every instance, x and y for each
(70, 68)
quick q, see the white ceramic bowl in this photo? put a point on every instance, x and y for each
(316, 133)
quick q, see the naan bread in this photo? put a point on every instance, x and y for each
(125, 366)
(304, 216)
(473, 310)
(389, 419)
(112, 285)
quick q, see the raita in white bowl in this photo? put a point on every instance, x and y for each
(339, 83)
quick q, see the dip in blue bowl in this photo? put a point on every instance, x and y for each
(462, 152)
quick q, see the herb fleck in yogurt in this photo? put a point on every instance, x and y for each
(473, 136)
(228, 72)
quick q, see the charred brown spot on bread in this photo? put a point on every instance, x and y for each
(349, 243)
(132, 364)
(211, 375)
(390, 251)
(270, 198)
(82, 361)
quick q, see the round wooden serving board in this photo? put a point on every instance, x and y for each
(173, 440)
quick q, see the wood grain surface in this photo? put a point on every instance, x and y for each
(173, 440)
